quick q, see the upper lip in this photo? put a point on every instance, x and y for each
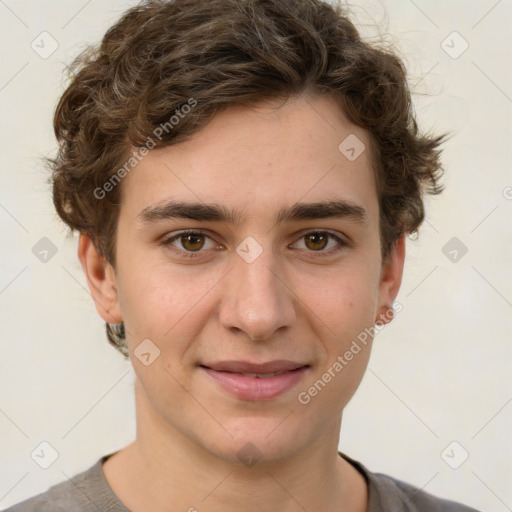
(279, 365)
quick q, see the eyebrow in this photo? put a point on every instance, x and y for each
(220, 213)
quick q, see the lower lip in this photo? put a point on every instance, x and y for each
(254, 388)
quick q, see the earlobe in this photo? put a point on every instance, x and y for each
(390, 281)
(100, 279)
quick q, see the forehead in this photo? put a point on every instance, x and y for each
(257, 159)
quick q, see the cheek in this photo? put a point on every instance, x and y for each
(347, 319)
(155, 297)
(344, 304)
(344, 313)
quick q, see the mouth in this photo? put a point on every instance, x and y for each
(256, 381)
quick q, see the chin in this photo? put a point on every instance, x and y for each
(259, 440)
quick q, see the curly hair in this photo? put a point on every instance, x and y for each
(167, 58)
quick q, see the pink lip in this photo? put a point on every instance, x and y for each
(247, 387)
(278, 365)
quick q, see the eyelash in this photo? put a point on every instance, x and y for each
(196, 254)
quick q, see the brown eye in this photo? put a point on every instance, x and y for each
(324, 243)
(316, 241)
(192, 241)
(190, 244)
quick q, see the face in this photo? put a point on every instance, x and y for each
(249, 250)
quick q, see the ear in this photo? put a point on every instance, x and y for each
(390, 281)
(101, 280)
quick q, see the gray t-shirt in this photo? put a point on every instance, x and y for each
(90, 492)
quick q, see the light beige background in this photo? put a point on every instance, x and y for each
(441, 372)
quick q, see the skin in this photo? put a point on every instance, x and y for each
(295, 301)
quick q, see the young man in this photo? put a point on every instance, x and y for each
(242, 174)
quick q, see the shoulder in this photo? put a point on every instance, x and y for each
(45, 502)
(411, 498)
(85, 492)
(387, 493)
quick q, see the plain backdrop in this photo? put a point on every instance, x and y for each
(439, 386)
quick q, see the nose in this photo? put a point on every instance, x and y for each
(257, 299)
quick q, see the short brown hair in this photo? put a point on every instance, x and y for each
(164, 53)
